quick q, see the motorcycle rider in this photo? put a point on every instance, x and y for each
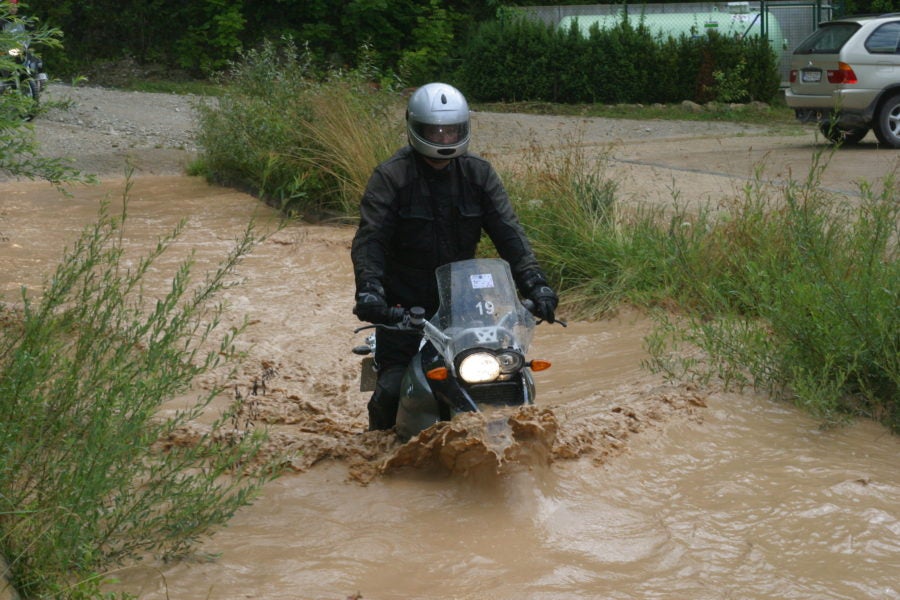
(12, 9)
(424, 207)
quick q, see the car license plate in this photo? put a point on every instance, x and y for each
(811, 76)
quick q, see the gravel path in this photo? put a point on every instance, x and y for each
(651, 161)
(103, 128)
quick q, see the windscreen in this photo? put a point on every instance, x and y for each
(479, 307)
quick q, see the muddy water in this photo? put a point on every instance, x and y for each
(646, 490)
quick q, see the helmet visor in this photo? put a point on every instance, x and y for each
(449, 134)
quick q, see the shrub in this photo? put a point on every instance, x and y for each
(84, 370)
(514, 58)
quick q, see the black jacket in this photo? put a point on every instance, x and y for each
(414, 218)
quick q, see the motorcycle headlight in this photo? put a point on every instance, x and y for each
(15, 52)
(479, 367)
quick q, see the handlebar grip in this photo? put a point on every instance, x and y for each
(394, 315)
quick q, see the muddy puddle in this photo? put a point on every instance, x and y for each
(616, 485)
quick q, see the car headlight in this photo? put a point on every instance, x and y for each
(479, 367)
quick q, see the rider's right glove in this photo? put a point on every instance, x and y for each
(372, 307)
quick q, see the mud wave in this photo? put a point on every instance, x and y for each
(306, 429)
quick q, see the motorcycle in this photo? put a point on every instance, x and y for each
(472, 354)
(26, 74)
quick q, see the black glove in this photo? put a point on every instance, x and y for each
(372, 307)
(545, 302)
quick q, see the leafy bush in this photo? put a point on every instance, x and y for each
(212, 37)
(509, 60)
(413, 38)
(84, 370)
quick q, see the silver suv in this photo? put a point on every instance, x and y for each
(846, 77)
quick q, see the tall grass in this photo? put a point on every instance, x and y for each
(600, 254)
(790, 289)
(798, 294)
(84, 370)
(305, 141)
(350, 131)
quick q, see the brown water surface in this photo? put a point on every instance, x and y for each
(634, 489)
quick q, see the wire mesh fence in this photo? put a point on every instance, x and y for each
(784, 23)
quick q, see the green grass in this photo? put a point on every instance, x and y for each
(306, 145)
(789, 289)
(796, 291)
(776, 115)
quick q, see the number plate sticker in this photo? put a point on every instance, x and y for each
(811, 76)
(480, 282)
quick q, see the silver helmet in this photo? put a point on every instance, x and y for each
(437, 121)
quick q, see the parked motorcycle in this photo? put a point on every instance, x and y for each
(24, 71)
(473, 349)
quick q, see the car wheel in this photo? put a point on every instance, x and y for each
(887, 122)
(843, 135)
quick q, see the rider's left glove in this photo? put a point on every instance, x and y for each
(545, 302)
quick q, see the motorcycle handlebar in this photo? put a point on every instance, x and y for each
(399, 319)
(412, 320)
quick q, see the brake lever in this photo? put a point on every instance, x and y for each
(529, 306)
(412, 322)
(560, 321)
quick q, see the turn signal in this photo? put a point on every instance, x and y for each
(540, 365)
(438, 374)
